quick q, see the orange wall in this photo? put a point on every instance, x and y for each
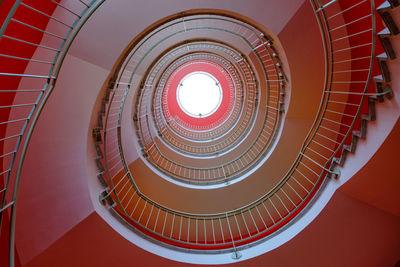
(347, 233)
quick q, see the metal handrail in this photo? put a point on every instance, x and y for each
(183, 131)
(172, 137)
(225, 171)
(80, 15)
(170, 134)
(117, 126)
(160, 105)
(281, 204)
(160, 97)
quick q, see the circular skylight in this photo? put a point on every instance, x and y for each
(199, 94)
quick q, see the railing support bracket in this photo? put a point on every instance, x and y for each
(335, 173)
(236, 255)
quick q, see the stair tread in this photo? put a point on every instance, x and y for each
(385, 32)
(385, 5)
(382, 56)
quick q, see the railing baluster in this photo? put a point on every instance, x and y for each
(184, 138)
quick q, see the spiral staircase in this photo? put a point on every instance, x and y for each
(108, 168)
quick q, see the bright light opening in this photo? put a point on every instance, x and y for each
(199, 94)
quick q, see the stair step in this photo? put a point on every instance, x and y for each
(371, 109)
(102, 180)
(384, 32)
(394, 3)
(352, 146)
(103, 107)
(378, 78)
(96, 134)
(98, 150)
(347, 147)
(100, 120)
(382, 56)
(387, 45)
(378, 88)
(381, 82)
(363, 128)
(382, 88)
(389, 22)
(99, 165)
(385, 6)
(357, 133)
(383, 66)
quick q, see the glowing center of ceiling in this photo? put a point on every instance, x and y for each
(199, 94)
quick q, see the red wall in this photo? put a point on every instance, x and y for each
(346, 233)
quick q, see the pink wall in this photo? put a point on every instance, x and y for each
(56, 222)
(53, 192)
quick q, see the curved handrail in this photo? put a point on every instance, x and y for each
(162, 101)
(172, 137)
(80, 13)
(228, 170)
(262, 217)
(201, 135)
(228, 127)
(118, 126)
(159, 107)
